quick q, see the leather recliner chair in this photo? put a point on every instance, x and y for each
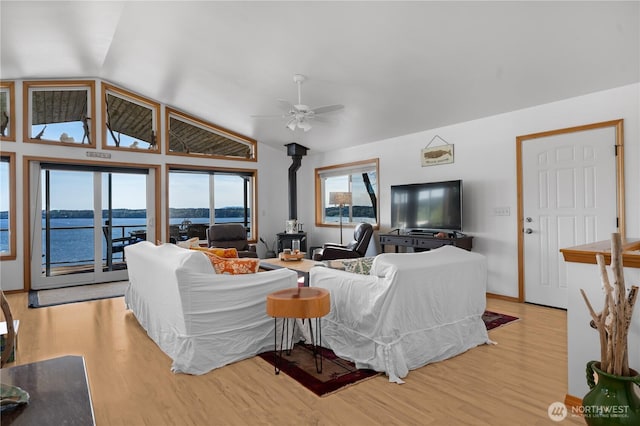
(357, 248)
(231, 235)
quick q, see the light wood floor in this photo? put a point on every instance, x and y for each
(511, 383)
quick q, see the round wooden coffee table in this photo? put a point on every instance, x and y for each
(303, 303)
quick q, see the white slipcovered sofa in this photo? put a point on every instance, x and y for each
(200, 319)
(410, 310)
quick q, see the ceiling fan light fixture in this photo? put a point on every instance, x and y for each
(304, 125)
(291, 125)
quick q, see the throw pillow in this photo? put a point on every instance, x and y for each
(361, 265)
(243, 265)
(192, 242)
(227, 253)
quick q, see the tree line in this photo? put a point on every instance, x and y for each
(185, 213)
(356, 211)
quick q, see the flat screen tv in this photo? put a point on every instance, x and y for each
(431, 206)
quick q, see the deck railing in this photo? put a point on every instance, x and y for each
(118, 231)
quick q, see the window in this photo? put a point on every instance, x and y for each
(190, 136)
(7, 206)
(7, 111)
(59, 112)
(358, 178)
(130, 121)
(199, 197)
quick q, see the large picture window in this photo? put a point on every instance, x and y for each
(188, 135)
(7, 111)
(200, 197)
(59, 112)
(360, 181)
(7, 206)
(130, 121)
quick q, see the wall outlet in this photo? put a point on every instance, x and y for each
(501, 211)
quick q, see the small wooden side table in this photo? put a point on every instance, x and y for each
(303, 303)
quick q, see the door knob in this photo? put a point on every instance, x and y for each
(529, 219)
(528, 231)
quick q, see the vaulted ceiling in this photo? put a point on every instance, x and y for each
(398, 67)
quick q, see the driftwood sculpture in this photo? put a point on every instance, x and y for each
(614, 320)
(11, 332)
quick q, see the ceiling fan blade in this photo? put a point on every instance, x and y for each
(286, 105)
(318, 118)
(327, 108)
(271, 116)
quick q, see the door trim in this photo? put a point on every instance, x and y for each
(620, 207)
(26, 179)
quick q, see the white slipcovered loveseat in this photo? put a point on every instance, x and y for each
(410, 310)
(200, 319)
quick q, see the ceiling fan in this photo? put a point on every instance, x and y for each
(298, 115)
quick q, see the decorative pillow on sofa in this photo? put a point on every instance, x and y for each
(243, 265)
(361, 265)
(191, 242)
(227, 253)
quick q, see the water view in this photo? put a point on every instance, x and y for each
(72, 238)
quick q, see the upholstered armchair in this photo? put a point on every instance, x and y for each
(357, 248)
(231, 235)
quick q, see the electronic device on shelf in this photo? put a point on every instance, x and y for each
(427, 208)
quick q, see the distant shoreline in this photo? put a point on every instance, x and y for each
(195, 212)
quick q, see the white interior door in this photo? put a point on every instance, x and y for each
(569, 198)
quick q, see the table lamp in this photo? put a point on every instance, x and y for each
(341, 199)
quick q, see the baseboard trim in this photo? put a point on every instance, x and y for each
(572, 401)
(20, 290)
(501, 297)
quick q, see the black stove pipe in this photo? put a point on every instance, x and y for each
(293, 187)
(296, 152)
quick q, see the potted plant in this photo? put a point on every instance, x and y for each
(612, 399)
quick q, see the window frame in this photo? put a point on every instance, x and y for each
(11, 254)
(89, 85)
(10, 87)
(334, 170)
(194, 121)
(212, 170)
(107, 88)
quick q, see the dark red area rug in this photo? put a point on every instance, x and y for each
(337, 373)
(494, 320)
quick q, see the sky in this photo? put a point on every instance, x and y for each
(73, 191)
(4, 186)
(360, 197)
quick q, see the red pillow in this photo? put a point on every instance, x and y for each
(243, 265)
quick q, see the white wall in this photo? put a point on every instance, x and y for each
(485, 160)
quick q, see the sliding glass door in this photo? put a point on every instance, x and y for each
(82, 219)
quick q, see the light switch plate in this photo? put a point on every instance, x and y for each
(501, 211)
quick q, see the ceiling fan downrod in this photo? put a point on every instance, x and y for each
(298, 79)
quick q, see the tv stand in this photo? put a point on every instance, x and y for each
(424, 240)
